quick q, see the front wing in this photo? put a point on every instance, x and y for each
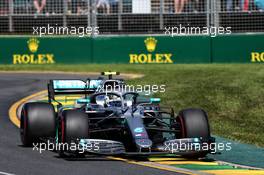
(175, 146)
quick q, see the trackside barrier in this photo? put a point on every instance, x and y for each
(132, 49)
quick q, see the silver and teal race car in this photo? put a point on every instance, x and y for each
(113, 123)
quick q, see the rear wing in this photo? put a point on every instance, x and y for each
(61, 87)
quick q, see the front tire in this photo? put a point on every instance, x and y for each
(194, 124)
(74, 125)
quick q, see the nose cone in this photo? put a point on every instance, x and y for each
(143, 143)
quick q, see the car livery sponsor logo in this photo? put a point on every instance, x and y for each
(158, 58)
(138, 130)
(33, 58)
(70, 84)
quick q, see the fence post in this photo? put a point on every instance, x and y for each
(120, 11)
(88, 13)
(161, 14)
(214, 14)
(93, 16)
(65, 11)
(208, 13)
(10, 15)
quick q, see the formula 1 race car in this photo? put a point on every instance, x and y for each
(113, 123)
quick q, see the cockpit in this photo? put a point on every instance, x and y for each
(108, 100)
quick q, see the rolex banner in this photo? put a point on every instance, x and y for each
(151, 50)
(30, 50)
(131, 50)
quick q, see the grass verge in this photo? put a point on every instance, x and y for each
(232, 94)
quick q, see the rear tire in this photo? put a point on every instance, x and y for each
(38, 120)
(194, 124)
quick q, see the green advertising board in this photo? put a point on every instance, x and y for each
(27, 50)
(132, 49)
(238, 49)
(143, 50)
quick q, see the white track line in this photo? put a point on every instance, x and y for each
(5, 173)
(238, 165)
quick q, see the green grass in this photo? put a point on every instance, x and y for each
(232, 94)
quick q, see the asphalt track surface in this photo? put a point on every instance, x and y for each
(15, 159)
